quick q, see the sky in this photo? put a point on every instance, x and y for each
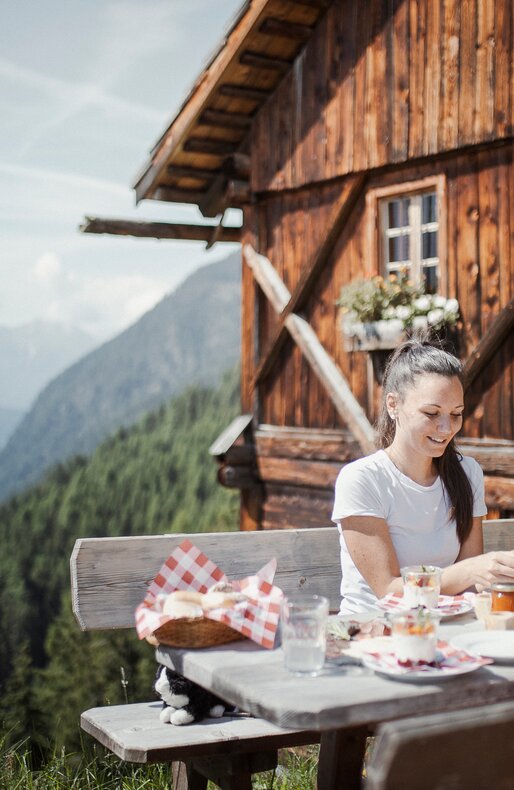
(86, 89)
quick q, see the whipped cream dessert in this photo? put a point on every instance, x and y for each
(415, 638)
(421, 586)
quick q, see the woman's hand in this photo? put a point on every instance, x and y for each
(493, 567)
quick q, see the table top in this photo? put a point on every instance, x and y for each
(342, 695)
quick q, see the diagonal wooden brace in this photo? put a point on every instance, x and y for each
(341, 210)
(497, 333)
(321, 362)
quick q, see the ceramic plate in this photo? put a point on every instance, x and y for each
(498, 645)
(381, 666)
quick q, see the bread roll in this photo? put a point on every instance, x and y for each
(221, 600)
(183, 603)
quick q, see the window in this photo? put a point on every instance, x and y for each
(409, 230)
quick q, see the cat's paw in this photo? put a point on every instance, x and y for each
(216, 711)
(181, 716)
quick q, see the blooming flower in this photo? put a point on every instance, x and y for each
(436, 316)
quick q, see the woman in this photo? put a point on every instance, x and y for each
(416, 500)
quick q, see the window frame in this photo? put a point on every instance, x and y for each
(376, 201)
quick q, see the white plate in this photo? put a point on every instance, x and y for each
(427, 675)
(498, 645)
(444, 610)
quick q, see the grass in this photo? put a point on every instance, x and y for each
(71, 771)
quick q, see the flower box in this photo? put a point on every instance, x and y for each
(380, 313)
(382, 335)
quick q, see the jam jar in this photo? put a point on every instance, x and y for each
(502, 597)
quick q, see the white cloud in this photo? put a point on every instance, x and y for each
(47, 268)
(101, 306)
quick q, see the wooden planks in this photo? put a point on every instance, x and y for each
(110, 576)
(306, 339)
(135, 734)
(474, 748)
(401, 79)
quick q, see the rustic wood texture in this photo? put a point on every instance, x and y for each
(159, 230)
(307, 341)
(476, 219)
(135, 734)
(257, 681)
(474, 748)
(427, 76)
(261, 46)
(110, 576)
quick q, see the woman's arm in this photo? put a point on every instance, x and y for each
(371, 549)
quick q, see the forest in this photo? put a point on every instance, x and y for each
(153, 477)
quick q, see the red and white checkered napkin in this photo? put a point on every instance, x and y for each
(448, 605)
(187, 568)
(450, 660)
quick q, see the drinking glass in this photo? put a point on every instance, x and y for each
(304, 621)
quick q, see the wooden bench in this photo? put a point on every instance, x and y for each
(470, 749)
(109, 578)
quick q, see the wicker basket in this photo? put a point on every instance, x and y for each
(195, 632)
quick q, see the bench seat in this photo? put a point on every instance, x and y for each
(134, 733)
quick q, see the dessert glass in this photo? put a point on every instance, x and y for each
(414, 636)
(421, 586)
(482, 604)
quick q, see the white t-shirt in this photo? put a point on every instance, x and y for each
(417, 517)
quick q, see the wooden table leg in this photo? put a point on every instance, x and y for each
(341, 758)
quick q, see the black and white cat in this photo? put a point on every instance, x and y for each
(184, 702)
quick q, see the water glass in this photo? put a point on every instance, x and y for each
(304, 621)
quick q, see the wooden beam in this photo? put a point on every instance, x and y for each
(258, 61)
(244, 92)
(321, 4)
(228, 120)
(342, 208)
(158, 230)
(489, 344)
(285, 29)
(322, 364)
(212, 77)
(191, 172)
(499, 492)
(177, 195)
(237, 165)
(224, 193)
(209, 145)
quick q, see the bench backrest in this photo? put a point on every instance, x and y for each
(110, 576)
(461, 750)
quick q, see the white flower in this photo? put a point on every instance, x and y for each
(435, 316)
(422, 303)
(403, 312)
(438, 300)
(451, 306)
(389, 313)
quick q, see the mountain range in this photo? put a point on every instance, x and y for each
(30, 356)
(191, 337)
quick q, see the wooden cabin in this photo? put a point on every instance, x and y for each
(323, 120)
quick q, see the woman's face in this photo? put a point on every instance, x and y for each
(428, 414)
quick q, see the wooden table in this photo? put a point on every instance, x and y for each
(343, 702)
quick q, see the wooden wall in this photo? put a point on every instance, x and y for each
(478, 222)
(382, 82)
(399, 91)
